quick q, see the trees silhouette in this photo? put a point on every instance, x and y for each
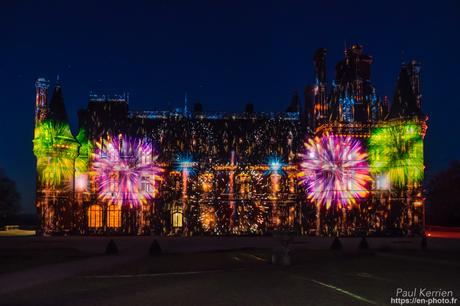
(443, 197)
(9, 198)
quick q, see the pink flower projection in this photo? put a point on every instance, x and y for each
(125, 170)
(335, 171)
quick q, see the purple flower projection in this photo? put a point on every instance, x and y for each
(335, 171)
(125, 170)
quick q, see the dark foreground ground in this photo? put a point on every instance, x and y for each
(220, 271)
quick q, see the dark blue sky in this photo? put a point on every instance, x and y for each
(223, 53)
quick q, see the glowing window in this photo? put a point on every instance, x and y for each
(95, 216)
(114, 216)
(177, 218)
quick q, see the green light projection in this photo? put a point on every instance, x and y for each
(56, 150)
(396, 149)
(81, 163)
(86, 148)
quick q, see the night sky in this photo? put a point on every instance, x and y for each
(222, 53)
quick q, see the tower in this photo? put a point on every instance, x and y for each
(41, 103)
(353, 98)
(319, 93)
(55, 149)
(413, 70)
(406, 101)
(407, 126)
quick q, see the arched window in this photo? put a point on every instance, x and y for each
(176, 216)
(114, 216)
(95, 216)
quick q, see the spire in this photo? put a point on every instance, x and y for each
(319, 60)
(308, 114)
(57, 110)
(404, 101)
(294, 106)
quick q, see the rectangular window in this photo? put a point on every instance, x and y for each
(95, 216)
(114, 216)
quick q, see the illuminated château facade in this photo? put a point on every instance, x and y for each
(343, 162)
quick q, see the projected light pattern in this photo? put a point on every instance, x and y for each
(335, 171)
(275, 165)
(347, 106)
(125, 170)
(396, 150)
(184, 163)
(56, 150)
(82, 160)
(208, 218)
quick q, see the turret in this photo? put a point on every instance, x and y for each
(321, 108)
(41, 103)
(354, 98)
(56, 150)
(406, 102)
